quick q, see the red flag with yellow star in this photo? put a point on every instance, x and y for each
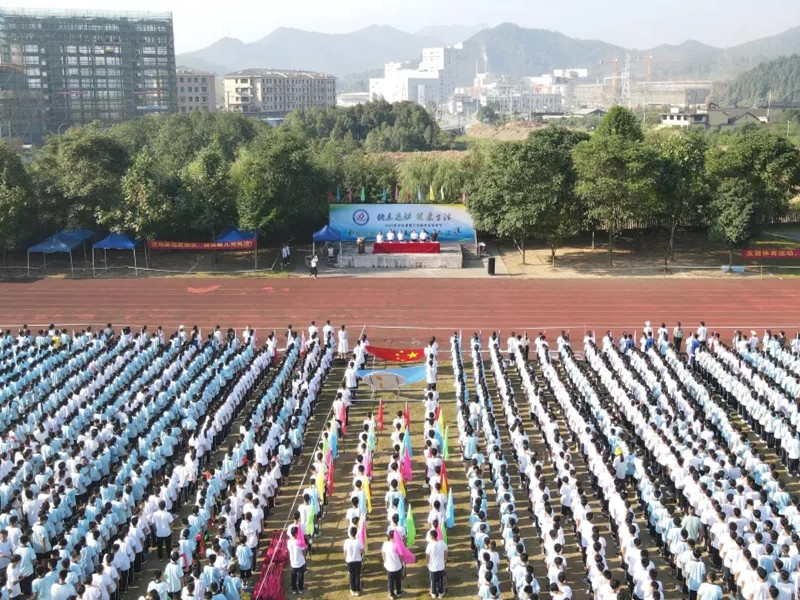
(397, 354)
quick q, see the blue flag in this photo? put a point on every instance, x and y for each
(338, 194)
(450, 518)
(419, 194)
(384, 195)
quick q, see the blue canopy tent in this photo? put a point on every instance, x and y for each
(238, 235)
(116, 241)
(65, 241)
(325, 235)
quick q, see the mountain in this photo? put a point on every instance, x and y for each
(511, 50)
(451, 34)
(338, 54)
(776, 82)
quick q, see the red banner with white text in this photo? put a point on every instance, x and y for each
(165, 245)
(770, 253)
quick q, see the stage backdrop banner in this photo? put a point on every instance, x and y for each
(452, 222)
(165, 245)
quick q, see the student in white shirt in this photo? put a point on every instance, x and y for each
(353, 549)
(297, 560)
(436, 552)
(393, 565)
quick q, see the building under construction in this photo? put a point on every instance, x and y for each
(61, 68)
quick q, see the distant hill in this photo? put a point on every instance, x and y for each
(779, 77)
(338, 54)
(511, 50)
(451, 34)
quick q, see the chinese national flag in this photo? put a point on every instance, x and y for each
(398, 354)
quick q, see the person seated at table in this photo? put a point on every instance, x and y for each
(390, 235)
(434, 236)
(379, 238)
(400, 235)
(423, 236)
(414, 237)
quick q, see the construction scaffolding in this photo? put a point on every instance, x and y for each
(87, 66)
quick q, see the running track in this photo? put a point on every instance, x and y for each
(406, 310)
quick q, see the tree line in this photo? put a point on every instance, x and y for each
(188, 176)
(560, 182)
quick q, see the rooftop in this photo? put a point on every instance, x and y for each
(191, 71)
(279, 73)
(83, 13)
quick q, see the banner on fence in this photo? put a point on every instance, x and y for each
(771, 253)
(165, 245)
(451, 222)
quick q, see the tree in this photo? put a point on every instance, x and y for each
(526, 190)
(621, 122)
(78, 175)
(146, 210)
(487, 115)
(278, 187)
(753, 177)
(681, 184)
(207, 202)
(616, 181)
(15, 198)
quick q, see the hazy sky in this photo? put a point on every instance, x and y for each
(630, 23)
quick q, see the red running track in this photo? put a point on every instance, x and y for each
(398, 311)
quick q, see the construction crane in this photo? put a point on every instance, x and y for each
(614, 62)
(651, 59)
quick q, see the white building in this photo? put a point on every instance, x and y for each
(441, 71)
(197, 90)
(400, 84)
(277, 92)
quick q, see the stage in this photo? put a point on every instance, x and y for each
(449, 257)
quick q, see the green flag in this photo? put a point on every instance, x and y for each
(444, 533)
(411, 529)
(446, 445)
(363, 195)
(310, 523)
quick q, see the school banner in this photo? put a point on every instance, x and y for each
(764, 253)
(452, 222)
(237, 245)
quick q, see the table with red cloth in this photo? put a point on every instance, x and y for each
(406, 248)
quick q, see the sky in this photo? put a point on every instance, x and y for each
(628, 23)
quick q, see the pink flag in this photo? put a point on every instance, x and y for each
(301, 538)
(404, 553)
(406, 466)
(368, 469)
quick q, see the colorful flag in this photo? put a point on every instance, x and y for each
(441, 193)
(320, 485)
(402, 487)
(450, 519)
(363, 195)
(330, 481)
(419, 194)
(407, 419)
(396, 193)
(431, 195)
(403, 552)
(310, 523)
(407, 441)
(368, 469)
(441, 533)
(441, 420)
(463, 197)
(444, 478)
(408, 195)
(406, 466)
(384, 195)
(398, 354)
(362, 533)
(380, 415)
(411, 528)
(368, 494)
(342, 416)
(446, 444)
(301, 537)
(338, 194)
